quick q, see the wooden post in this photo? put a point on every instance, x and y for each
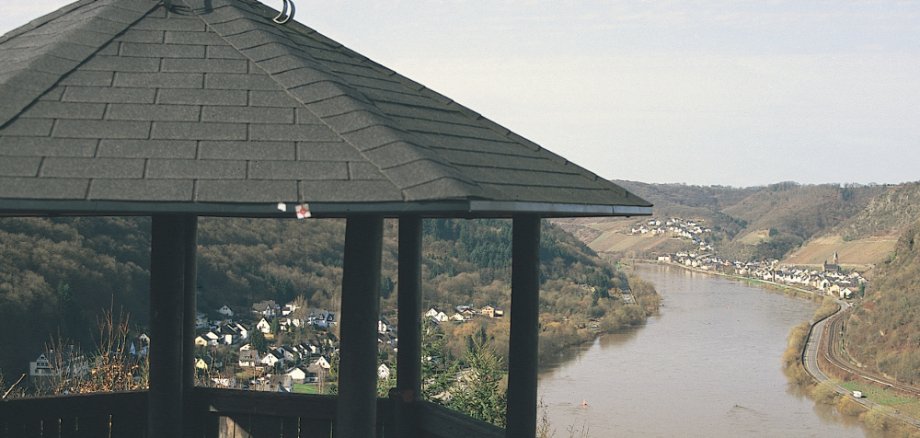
(525, 316)
(190, 290)
(168, 249)
(356, 415)
(409, 376)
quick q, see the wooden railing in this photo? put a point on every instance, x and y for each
(219, 413)
(120, 414)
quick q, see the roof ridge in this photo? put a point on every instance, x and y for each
(65, 50)
(301, 82)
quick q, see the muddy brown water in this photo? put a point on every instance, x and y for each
(708, 365)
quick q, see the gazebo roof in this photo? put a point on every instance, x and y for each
(123, 107)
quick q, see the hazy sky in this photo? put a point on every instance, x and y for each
(706, 92)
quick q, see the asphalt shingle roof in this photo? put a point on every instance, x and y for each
(125, 107)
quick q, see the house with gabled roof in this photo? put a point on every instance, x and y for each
(186, 108)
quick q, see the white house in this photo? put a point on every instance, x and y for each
(296, 374)
(322, 363)
(432, 312)
(42, 367)
(383, 372)
(249, 357)
(271, 358)
(226, 311)
(263, 326)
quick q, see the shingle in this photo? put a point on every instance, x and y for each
(162, 50)
(273, 132)
(223, 52)
(28, 127)
(349, 191)
(159, 80)
(247, 191)
(93, 168)
(395, 154)
(152, 112)
(335, 106)
(65, 110)
(203, 97)
(198, 131)
(267, 51)
(300, 170)
(305, 116)
(317, 92)
(141, 190)
(85, 77)
(53, 94)
(46, 146)
(444, 188)
(203, 38)
(247, 114)
(247, 150)
(110, 49)
(43, 188)
(282, 64)
(373, 137)
(418, 172)
(363, 170)
(272, 99)
(320, 151)
(229, 81)
(171, 23)
(204, 65)
(109, 94)
(141, 36)
(19, 166)
(196, 169)
(147, 148)
(121, 63)
(101, 129)
(353, 121)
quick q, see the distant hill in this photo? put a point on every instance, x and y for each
(801, 224)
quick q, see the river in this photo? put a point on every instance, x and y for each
(708, 365)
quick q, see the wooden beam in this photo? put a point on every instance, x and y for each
(525, 322)
(409, 301)
(190, 305)
(357, 402)
(169, 241)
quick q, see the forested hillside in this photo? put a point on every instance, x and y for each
(57, 275)
(884, 331)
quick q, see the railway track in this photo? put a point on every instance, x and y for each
(831, 346)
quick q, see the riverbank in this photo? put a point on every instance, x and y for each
(878, 408)
(756, 282)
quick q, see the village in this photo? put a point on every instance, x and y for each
(830, 279)
(289, 348)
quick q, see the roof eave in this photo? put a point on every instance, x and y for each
(445, 208)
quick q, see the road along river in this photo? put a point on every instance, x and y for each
(708, 365)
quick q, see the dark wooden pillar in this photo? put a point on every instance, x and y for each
(190, 290)
(409, 375)
(357, 403)
(169, 243)
(525, 315)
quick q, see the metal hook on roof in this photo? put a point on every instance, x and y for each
(284, 16)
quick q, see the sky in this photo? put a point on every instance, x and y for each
(736, 93)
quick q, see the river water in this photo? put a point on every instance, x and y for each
(708, 365)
